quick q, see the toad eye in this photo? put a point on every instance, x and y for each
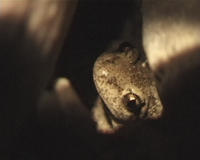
(125, 47)
(133, 103)
(130, 52)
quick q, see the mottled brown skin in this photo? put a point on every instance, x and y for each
(118, 75)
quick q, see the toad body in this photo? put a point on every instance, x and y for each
(126, 87)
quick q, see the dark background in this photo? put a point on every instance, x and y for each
(95, 26)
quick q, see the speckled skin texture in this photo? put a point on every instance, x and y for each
(117, 74)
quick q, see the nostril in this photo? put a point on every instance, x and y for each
(133, 103)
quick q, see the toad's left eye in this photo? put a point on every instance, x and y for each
(133, 103)
(125, 47)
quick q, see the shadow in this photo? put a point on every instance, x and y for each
(179, 85)
(96, 24)
(59, 135)
(23, 77)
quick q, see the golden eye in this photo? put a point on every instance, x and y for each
(133, 103)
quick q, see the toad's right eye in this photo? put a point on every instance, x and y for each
(133, 103)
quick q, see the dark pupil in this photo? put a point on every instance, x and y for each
(133, 103)
(135, 108)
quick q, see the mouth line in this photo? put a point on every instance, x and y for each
(116, 119)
